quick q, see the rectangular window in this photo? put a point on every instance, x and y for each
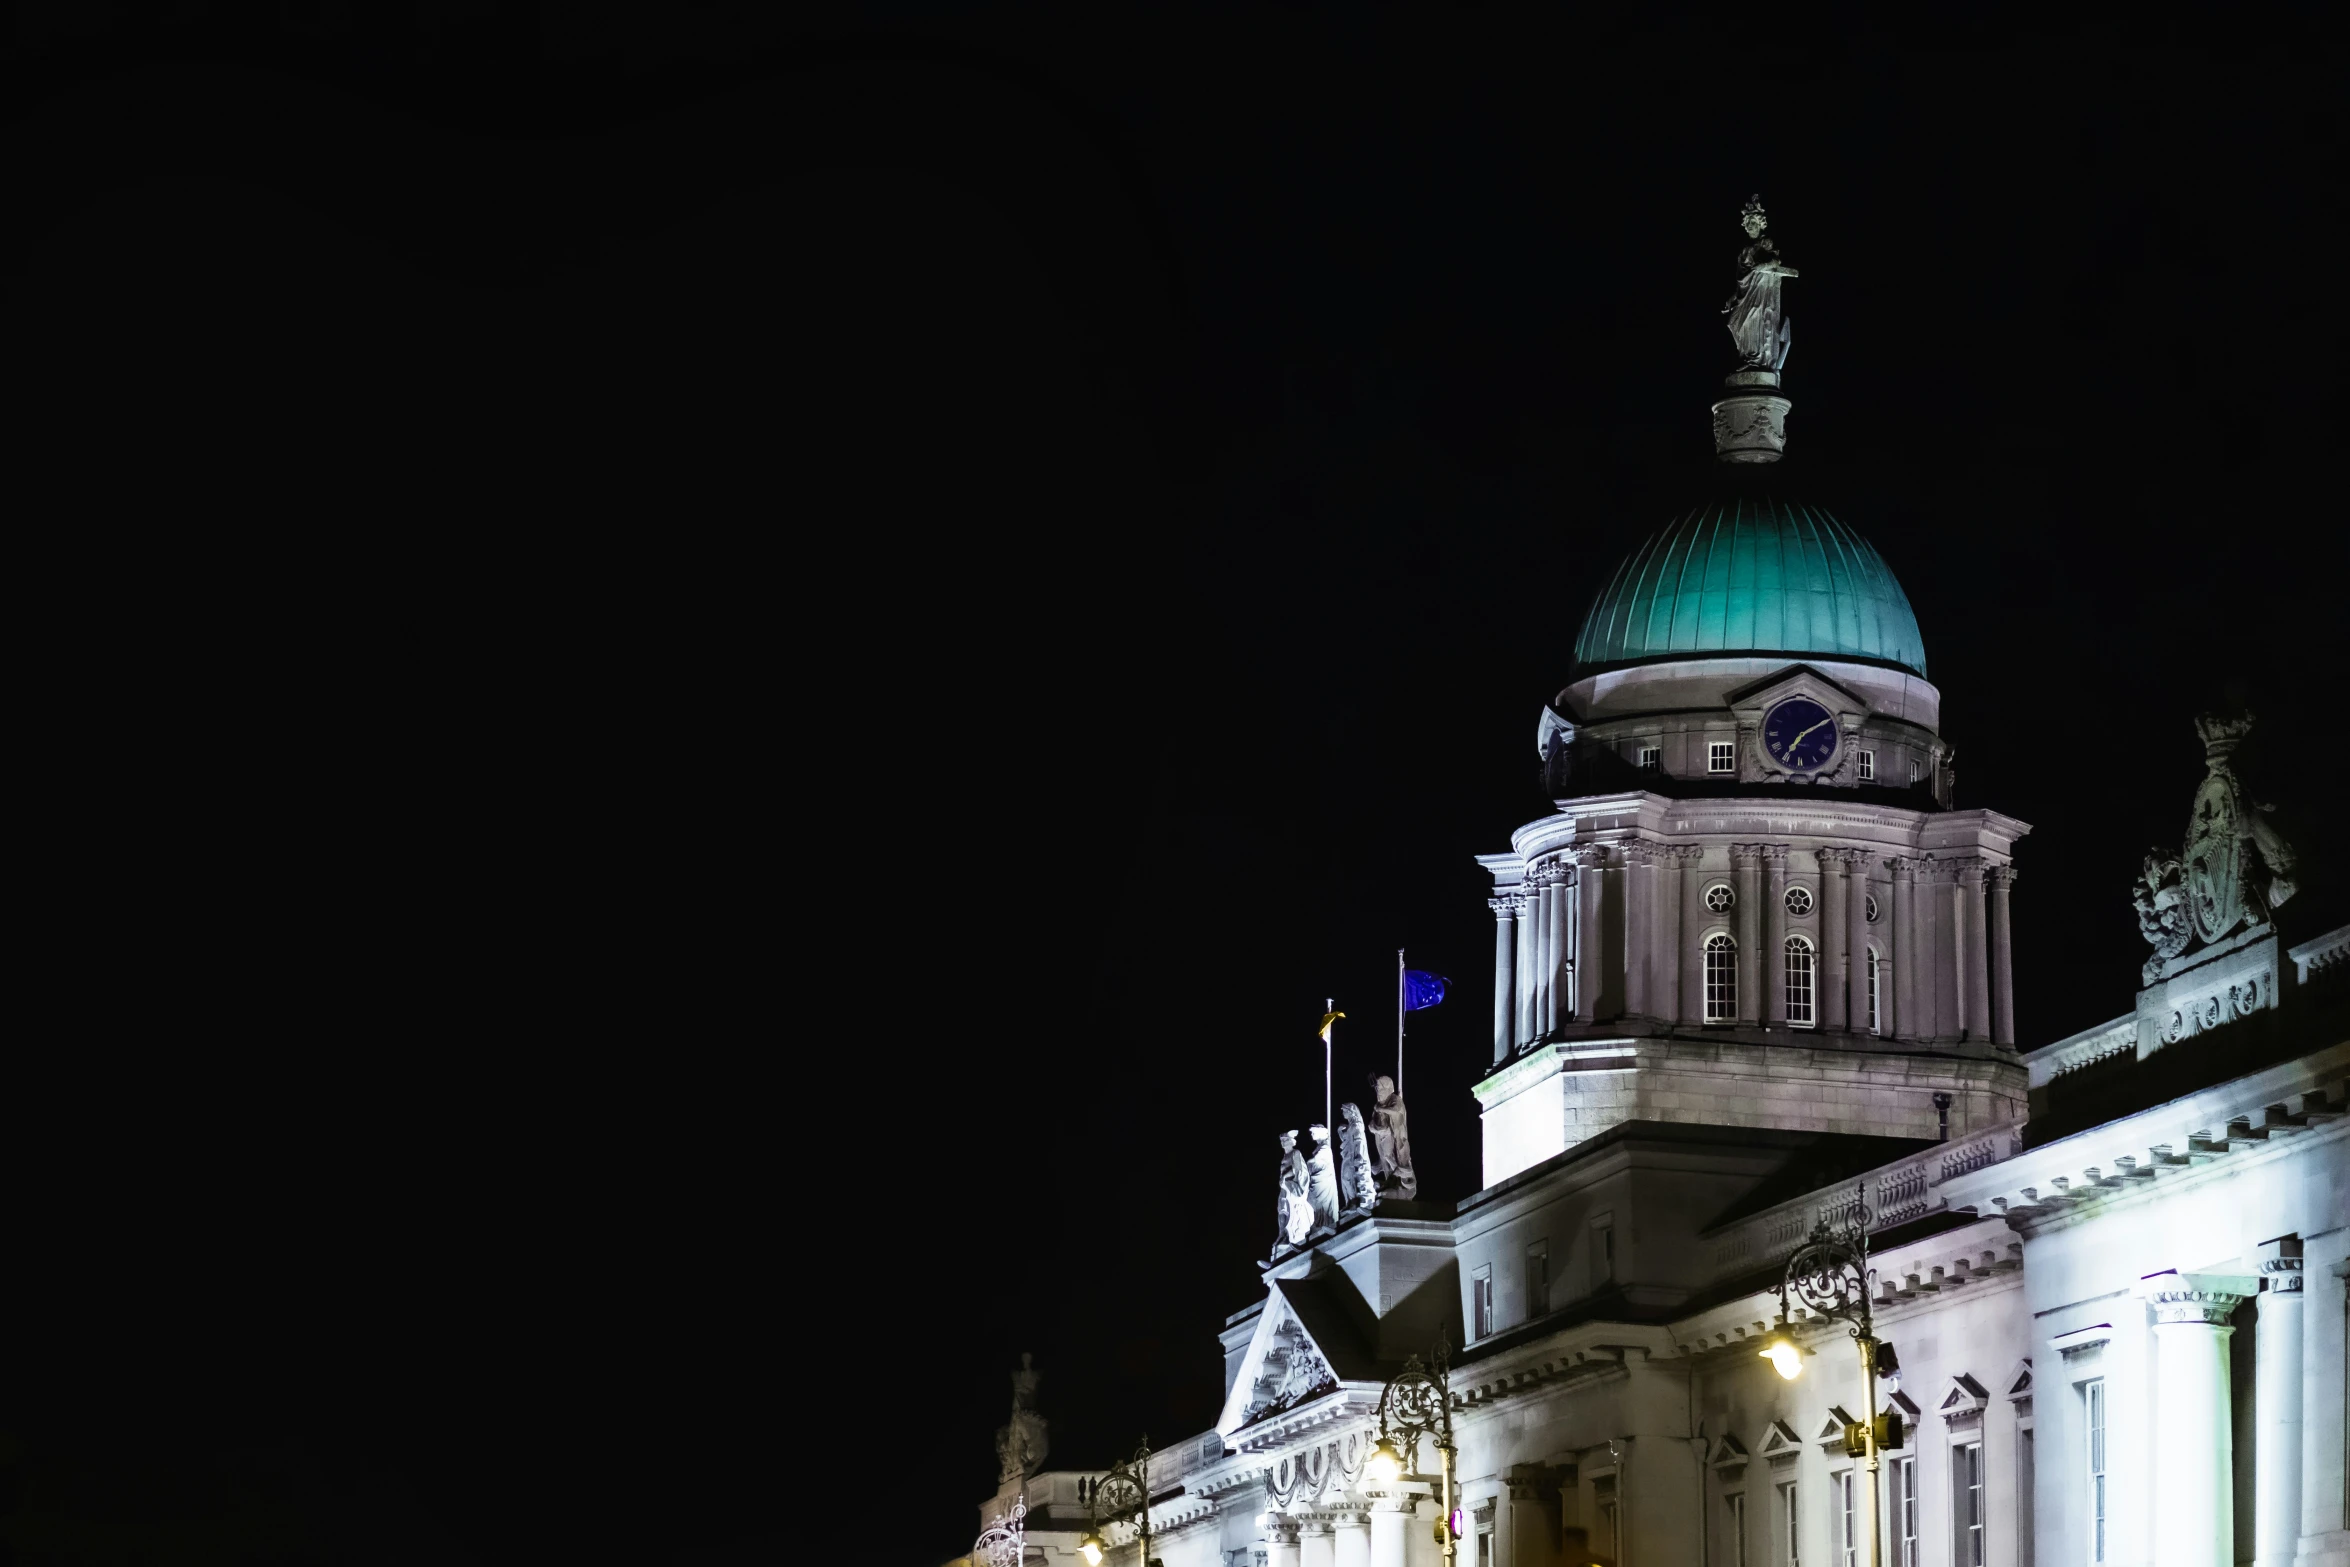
(1847, 1526)
(1734, 1530)
(1484, 1548)
(2093, 1394)
(1718, 756)
(1721, 980)
(1874, 981)
(1790, 1532)
(1966, 1504)
(1799, 987)
(1538, 1278)
(1868, 766)
(1652, 758)
(1905, 1512)
(1603, 1252)
(1482, 1304)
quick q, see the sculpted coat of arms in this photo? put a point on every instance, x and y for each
(2234, 869)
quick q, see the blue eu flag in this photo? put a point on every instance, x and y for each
(1423, 990)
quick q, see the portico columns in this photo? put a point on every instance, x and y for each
(1505, 962)
(1746, 870)
(1539, 908)
(1390, 1516)
(2194, 1448)
(1857, 864)
(1996, 882)
(1901, 1015)
(1281, 1542)
(1974, 974)
(1315, 1546)
(1774, 914)
(1352, 1540)
(2276, 1404)
(1833, 978)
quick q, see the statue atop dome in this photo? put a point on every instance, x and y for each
(1758, 321)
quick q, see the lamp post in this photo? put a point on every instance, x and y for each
(1829, 1275)
(1418, 1403)
(1004, 1543)
(1121, 1496)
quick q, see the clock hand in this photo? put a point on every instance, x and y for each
(1798, 740)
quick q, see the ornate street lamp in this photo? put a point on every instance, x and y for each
(1418, 1403)
(1004, 1543)
(1121, 1496)
(1829, 1275)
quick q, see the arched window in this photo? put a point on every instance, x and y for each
(1721, 979)
(1800, 965)
(1875, 979)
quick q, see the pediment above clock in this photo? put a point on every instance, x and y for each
(1749, 701)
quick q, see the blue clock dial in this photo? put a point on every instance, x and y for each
(1800, 734)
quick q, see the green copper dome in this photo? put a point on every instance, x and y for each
(1752, 575)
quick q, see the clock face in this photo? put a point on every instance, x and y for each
(1800, 734)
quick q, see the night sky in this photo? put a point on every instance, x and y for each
(709, 708)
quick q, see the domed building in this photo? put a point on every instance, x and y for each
(1784, 1251)
(1757, 895)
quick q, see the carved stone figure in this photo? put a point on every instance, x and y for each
(1020, 1447)
(2161, 899)
(2235, 869)
(1295, 1200)
(1322, 1179)
(1391, 1143)
(1358, 1188)
(1758, 322)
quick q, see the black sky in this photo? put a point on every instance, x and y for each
(712, 705)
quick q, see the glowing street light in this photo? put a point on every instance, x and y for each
(1121, 1496)
(1829, 1274)
(1419, 1403)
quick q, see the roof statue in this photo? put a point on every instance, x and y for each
(1391, 1142)
(2234, 868)
(1758, 322)
(1020, 1447)
(1293, 1200)
(1358, 1186)
(1322, 1179)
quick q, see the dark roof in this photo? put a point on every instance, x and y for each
(1333, 1313)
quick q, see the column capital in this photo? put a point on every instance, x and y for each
(1687, 853)
(1844, 857)
(2283, 1275)
(1902, 866)
(1773, 854)
(1638, 852)
(2206, 1298)
(1280, 1530)
(1968, 867)
(1590, 854)
(1350, 1518)
(2001, 876)
(1508, 907)
(1393, 1502)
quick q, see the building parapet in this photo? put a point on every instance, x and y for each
(2322, 956)
(2086, 1048)
(1897, 1193)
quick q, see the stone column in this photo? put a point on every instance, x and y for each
(1281, 1542)
(1391, 1517)
(1539, 906)
(1902, 1015)
(1746, 866)
(1974, 953)
(1996, 882)
(1691, 961)
(2276, 1404)
(1830, 983)
(1589, 983)
(1353, 1540)
(1858, 864)
(2325, 1424)
(1563, 896)
(1315, 1545)
(1639, 906)
(1505, 966)
(1774, 921)
(2194, 1449)
(1529, 948)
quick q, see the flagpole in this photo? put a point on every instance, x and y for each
(1328, 1006)
(1399, 982)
